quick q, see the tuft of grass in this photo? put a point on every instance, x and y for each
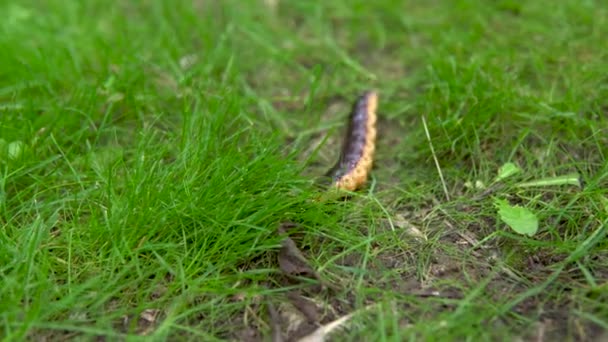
(149, 150)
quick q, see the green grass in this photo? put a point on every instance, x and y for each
(149, 150)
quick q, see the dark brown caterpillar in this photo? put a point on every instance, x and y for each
(357, 155)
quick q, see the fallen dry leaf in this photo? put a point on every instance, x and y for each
(323, 331)
(291, 260)
(401, 222)
(307, 307)
(150, 315)
(275, 323)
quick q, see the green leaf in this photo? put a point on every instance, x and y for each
(507, 170)
(520, 219)
(15, 149)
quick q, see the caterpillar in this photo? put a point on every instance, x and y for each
(356, 158)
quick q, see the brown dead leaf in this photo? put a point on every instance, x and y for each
(150, 315)
(401, 222)
(299, 315)
(307, 307)
(294, 323)
(275, 323)
(249, 334)
(291, 260)
(321, 333)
